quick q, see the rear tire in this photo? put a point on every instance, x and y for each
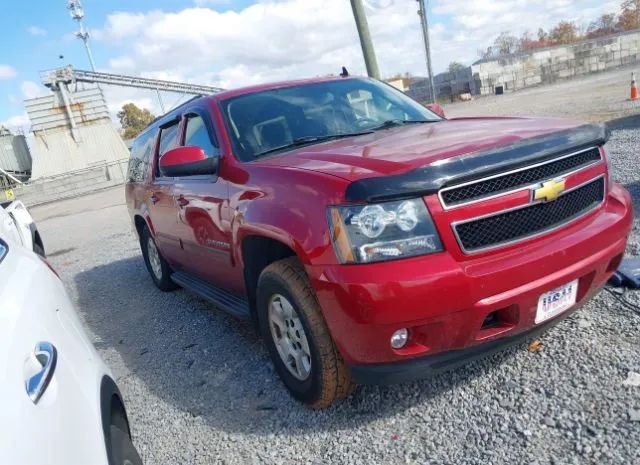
(299, 342)
(157, 266)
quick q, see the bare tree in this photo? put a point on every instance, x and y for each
(606, 24)
(630, 16)
(455, 66)
(565, 32)
(506, 44)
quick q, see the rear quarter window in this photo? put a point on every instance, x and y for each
(140, 158)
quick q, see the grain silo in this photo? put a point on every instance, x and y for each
(15, 158)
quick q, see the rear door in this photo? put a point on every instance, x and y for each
(203, 210)
(163, 210)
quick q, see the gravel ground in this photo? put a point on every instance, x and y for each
(597, 97)
(200, 389)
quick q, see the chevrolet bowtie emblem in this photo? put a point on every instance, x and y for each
(549, 190)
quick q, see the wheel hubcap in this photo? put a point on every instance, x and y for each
(289, 337)
(154, 258)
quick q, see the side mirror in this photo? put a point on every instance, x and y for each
(436, 108)
(187, 161)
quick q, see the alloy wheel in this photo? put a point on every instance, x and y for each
(289, 337)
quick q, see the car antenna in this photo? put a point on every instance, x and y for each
(344, 72)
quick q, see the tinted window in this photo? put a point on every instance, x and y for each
(197, 134)
(265, 121)
(141, 156)
(168, 138)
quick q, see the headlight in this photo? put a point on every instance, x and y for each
(383, 231)
(3, 249)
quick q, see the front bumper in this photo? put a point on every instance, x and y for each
(424, 367)
(445, 302)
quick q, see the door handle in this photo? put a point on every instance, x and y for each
(182, 201)
(154, 198)
(47, 355)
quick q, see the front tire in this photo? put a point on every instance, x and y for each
(297, 337)
(123, 452)
(157, 266)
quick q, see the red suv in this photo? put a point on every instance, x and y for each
(370, 239)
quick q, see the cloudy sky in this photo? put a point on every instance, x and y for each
(230, 43)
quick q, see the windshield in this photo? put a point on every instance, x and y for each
(266, 122)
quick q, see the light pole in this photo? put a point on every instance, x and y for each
(365, 39)
(77, 13)
(422, 12)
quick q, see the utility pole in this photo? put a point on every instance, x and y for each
(365, 39)
(77, 13)
(422, 12)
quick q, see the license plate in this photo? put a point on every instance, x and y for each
(555, 302)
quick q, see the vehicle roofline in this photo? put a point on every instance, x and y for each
(278, 85)
(166, 117)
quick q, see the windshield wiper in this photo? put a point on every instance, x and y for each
(400, 122)
(312, 140)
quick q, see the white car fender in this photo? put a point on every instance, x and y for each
(66, 421)
(17, 223)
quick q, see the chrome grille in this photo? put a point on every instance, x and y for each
(502, 183)
(524, 222)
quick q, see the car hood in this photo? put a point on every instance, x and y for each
(401, 149)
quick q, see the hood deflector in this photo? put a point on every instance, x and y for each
(431, 178)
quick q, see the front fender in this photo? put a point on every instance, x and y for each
(289, 206)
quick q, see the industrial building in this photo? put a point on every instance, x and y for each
(76, 148)
(15, 159)
(541, 66)
(548, 65)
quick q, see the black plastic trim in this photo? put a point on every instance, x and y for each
(208, 166)
(424, 367)
(464, 168)
(221, 298)
(5, 246)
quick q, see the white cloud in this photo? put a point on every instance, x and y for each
(31, 89)
(36, 31)
(7, 72)
(284, 39)
(17, 123)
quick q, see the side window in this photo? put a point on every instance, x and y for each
(141, 156)
(168, 138)
(196, 134)
(168, 141)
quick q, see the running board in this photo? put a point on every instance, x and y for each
(230, 303)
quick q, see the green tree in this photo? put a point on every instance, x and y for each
(134, 119)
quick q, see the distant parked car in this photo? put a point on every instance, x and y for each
(16, 223)
(60, 405)
(372, 239)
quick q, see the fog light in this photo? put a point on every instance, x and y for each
(399, 338)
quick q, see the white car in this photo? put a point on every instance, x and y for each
(60, 404)
(17, 224)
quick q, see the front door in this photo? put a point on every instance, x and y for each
(163, 210)
(202, 202)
